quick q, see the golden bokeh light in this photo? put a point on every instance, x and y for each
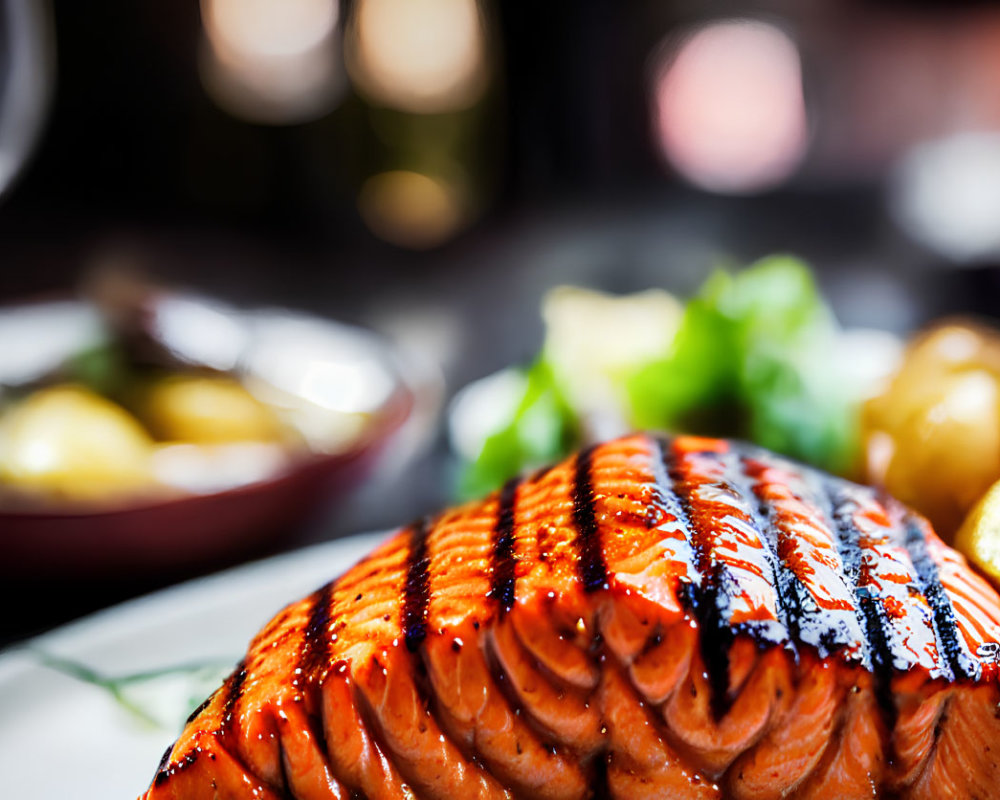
(410, 209)
(421, 56)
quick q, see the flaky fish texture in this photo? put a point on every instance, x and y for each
(685, 618)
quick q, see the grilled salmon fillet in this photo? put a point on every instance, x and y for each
(686, 618)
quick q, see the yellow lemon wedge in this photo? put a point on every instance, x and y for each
(979, 537)
(68, 441)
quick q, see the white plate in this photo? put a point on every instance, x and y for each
(64, 737)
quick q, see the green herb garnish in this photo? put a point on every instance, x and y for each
(754, 357)
(542, 429)
(200, 673)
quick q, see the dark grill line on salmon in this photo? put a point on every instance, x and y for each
(831, 506)
(593, 570)
(504, 579)
(314, 653)
(662, 464)
(417, 586)
(790, 591)
(709, 596)
(960, 664)
(234, 691)
(878, 648)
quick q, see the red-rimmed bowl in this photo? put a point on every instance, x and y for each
(164, 535)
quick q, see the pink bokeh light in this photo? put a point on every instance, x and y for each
(729, 111)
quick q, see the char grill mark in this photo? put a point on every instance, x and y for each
(727, 534)
(949, 643)
(233, 688)
(315, 648)
(846, 536)
(592, 566)
(170, 770)
(201, 707)
(888, 576)
(165, 758)
(788, 590)
(977, 619)
(733, 553)
(674, 507)
(234, 691)
(707, 599)
(818, 601)
(879, 651)
(417, 588)
(504, 580)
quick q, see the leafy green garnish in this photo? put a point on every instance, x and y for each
(542, 429)
(101, 368)
(789, 377)
(696, 374)
(755, 357)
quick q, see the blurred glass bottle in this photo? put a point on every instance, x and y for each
(425, 71)
(413, 148)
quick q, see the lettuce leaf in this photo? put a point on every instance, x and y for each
(755, 358)
(543, 429)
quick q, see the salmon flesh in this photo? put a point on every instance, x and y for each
(685, 618)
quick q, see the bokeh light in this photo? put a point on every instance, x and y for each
(421, 56)
(269, 28)
(729, 112)
(946, 195)
(272, 61)
(411, 209)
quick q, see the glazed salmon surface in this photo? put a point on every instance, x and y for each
(684, 618)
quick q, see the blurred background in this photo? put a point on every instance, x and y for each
(428, 169)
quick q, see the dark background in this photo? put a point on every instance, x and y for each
(135, 155)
